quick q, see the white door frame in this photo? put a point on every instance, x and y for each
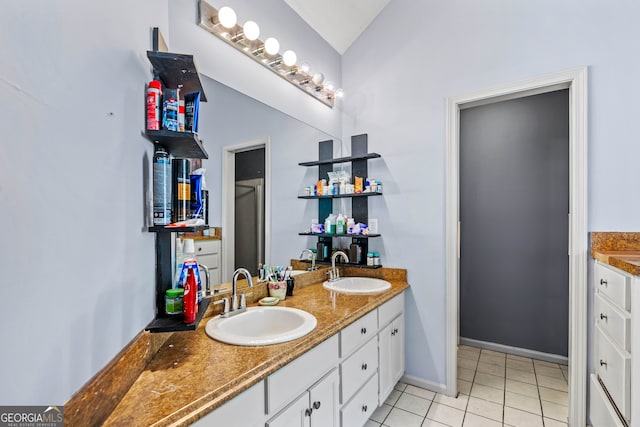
(228, 202)
(576, 81)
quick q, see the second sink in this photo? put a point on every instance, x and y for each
(357, 285)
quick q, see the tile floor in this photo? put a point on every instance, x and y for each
(495, 389)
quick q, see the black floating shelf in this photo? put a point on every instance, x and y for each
(163, 229)
(341, 196)
(353, 236)
(180, 144)
(176, 323)
(177, 70)
(341, 159)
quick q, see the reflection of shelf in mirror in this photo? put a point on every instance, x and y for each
(353, 236)
(164, 229)
(339, 196)
(342, 264)
(341, 159)
(176, 323)
(185, 145)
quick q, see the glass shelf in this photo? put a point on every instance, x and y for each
(353, 236)
(341, 159)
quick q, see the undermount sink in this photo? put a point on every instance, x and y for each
(261, 326)
(357, 285)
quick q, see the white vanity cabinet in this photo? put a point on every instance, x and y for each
(615, 355)
(340, 382)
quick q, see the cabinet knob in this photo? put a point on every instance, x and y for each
(316, 404)
(199, 249)
(364, 366)
(603, 363)
(395, 331)
(603, 316)
(603, 282)
(364, 408)
(363, 331)
(308, 411)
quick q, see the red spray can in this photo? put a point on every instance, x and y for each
(190, 300)
(154, 93)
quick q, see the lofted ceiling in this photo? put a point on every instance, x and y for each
(339, 22)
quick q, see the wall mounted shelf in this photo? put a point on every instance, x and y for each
(347, 159)
(341, 196)
(359, 201)
(352, 236)
(177, 70)
(180, 144)
(174, 71)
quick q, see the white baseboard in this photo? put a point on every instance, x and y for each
(428, 385)
(548, 357)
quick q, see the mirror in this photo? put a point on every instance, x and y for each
(231, 119)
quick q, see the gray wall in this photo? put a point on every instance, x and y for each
(514, 192)
(415, 54)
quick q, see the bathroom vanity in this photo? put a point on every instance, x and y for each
(336, 375)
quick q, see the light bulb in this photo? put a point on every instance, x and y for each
(271, 46)
(289, 58)
(305, 67)
(251, 30)
(227, 17)
(339, 93)
(329, 86)
(318, 78)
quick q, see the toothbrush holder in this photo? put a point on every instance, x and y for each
(278, 289)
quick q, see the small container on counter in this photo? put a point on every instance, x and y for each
(370, 259)
(376, 258)
(173, 301)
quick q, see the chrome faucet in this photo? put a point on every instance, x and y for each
(313, 259)
(334, 274)
(207, 276)
(236, 307)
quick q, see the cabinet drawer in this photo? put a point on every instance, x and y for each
(362, 406)
(207, 247)
(601, 413)
(614, 322)
(613, 368)
(359, 367)
(287, 383)
(613, 284)
(390, 310)
(211, 261)
(358, 332)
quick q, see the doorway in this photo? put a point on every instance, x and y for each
(246, 202)
(576, 82)
(249, 210)
(514, 202)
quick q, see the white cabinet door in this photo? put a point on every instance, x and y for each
(391, 347)
(324, 401)
(295, 415)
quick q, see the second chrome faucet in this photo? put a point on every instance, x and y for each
(334, 273)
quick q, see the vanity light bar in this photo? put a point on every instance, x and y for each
(223, 24)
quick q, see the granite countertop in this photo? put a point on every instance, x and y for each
(192, 374)
(617, 249)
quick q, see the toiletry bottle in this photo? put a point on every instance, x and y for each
(350, 224)
(161, 187)
(340, 224)
(190, 299)
(154, 95)
(189, 262)
(181, 189)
